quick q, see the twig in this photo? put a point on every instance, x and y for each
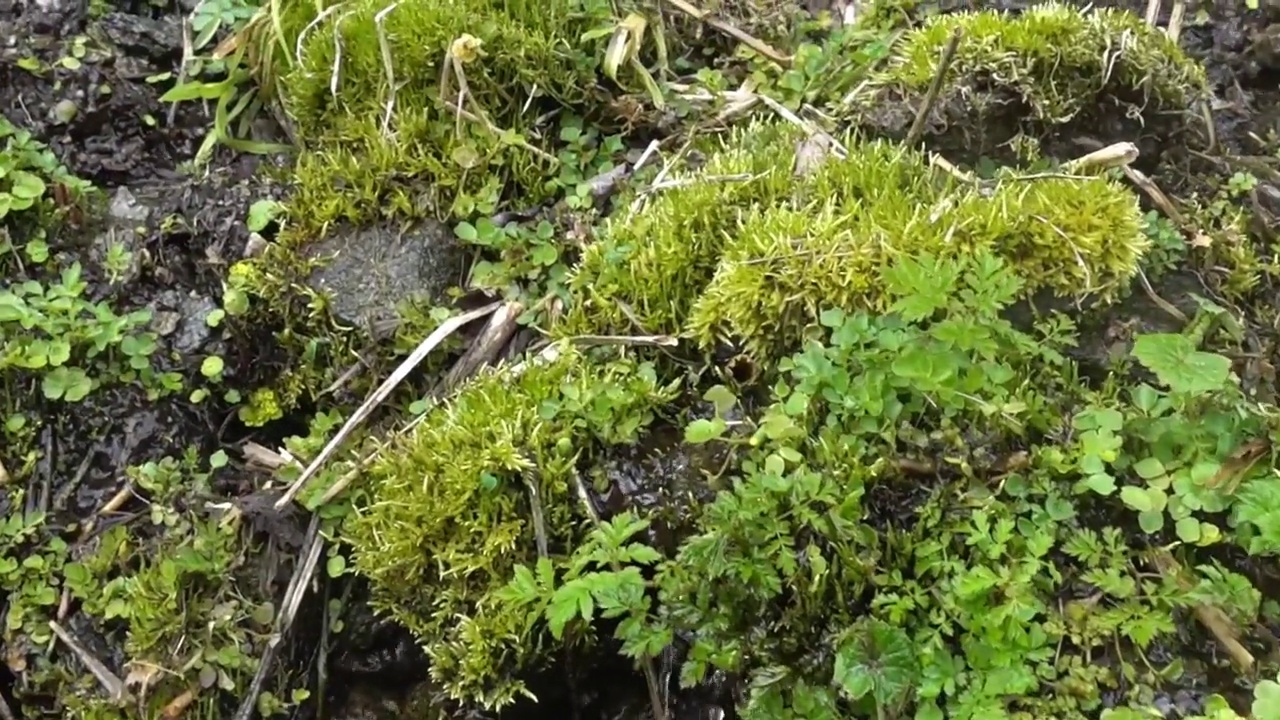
(1153, 191)
(177, 707)
(63, 496)
(1160, 302)
(1174, 30)
(293, 595)
(649, 151)
(447, 328)
(348, 477)
(6, 712)
(494, 336)
(1213, 618)
(752, 42)
(935, 87)
(1153, 12)
(838, 149)
(539, 523)
(346, 376)
(388, 66)
(698, 180)
(627, 340)
(110, 682)
(1119, 154)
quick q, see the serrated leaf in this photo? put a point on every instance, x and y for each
(571, 600)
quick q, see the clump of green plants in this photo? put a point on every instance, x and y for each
(52, 335)
(752, 262)
(28, 174)
(485, 482)
(912, 526)
(1054, 59)
(167, 591)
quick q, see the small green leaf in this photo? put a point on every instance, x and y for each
(1151, 522)
(704, 430)
(1148, 468)
(466, 232)
(218, 459)
(25, 185)
(336, 565)
(1101, 483)
(722, 398)
(1188, 530)
(261, 214)
(1136, 498)
(211, 366)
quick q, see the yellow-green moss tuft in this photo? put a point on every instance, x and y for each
(753, 265)
(427, 158)
(1056, 58)
(450, 512)
(646, 268)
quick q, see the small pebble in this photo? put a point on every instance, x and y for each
(64, 112)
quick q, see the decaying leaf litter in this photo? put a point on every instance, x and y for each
(643, 245)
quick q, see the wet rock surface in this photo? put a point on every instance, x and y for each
(368, 272)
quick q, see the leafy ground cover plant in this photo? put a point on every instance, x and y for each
(174, 592)
(914, 526)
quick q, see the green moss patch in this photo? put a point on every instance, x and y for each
(653, 261)
(452, 508)
(1051, 65)
(752, 263)
(448, 142)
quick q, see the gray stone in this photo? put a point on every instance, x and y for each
(368, 272)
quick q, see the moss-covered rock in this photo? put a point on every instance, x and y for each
(753, 263)
(1031, 73)
(452, 509)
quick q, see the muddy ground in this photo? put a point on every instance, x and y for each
(138, 151)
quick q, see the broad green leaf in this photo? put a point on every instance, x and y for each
(1178, 364)
(1148, 468)
(1151, 522)
(1188, 530)
(1266, 701)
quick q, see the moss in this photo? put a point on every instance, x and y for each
(752, 264)
(1031, 74)
(263, 407)
(450, 512)
(428, 159)
(646, 268)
